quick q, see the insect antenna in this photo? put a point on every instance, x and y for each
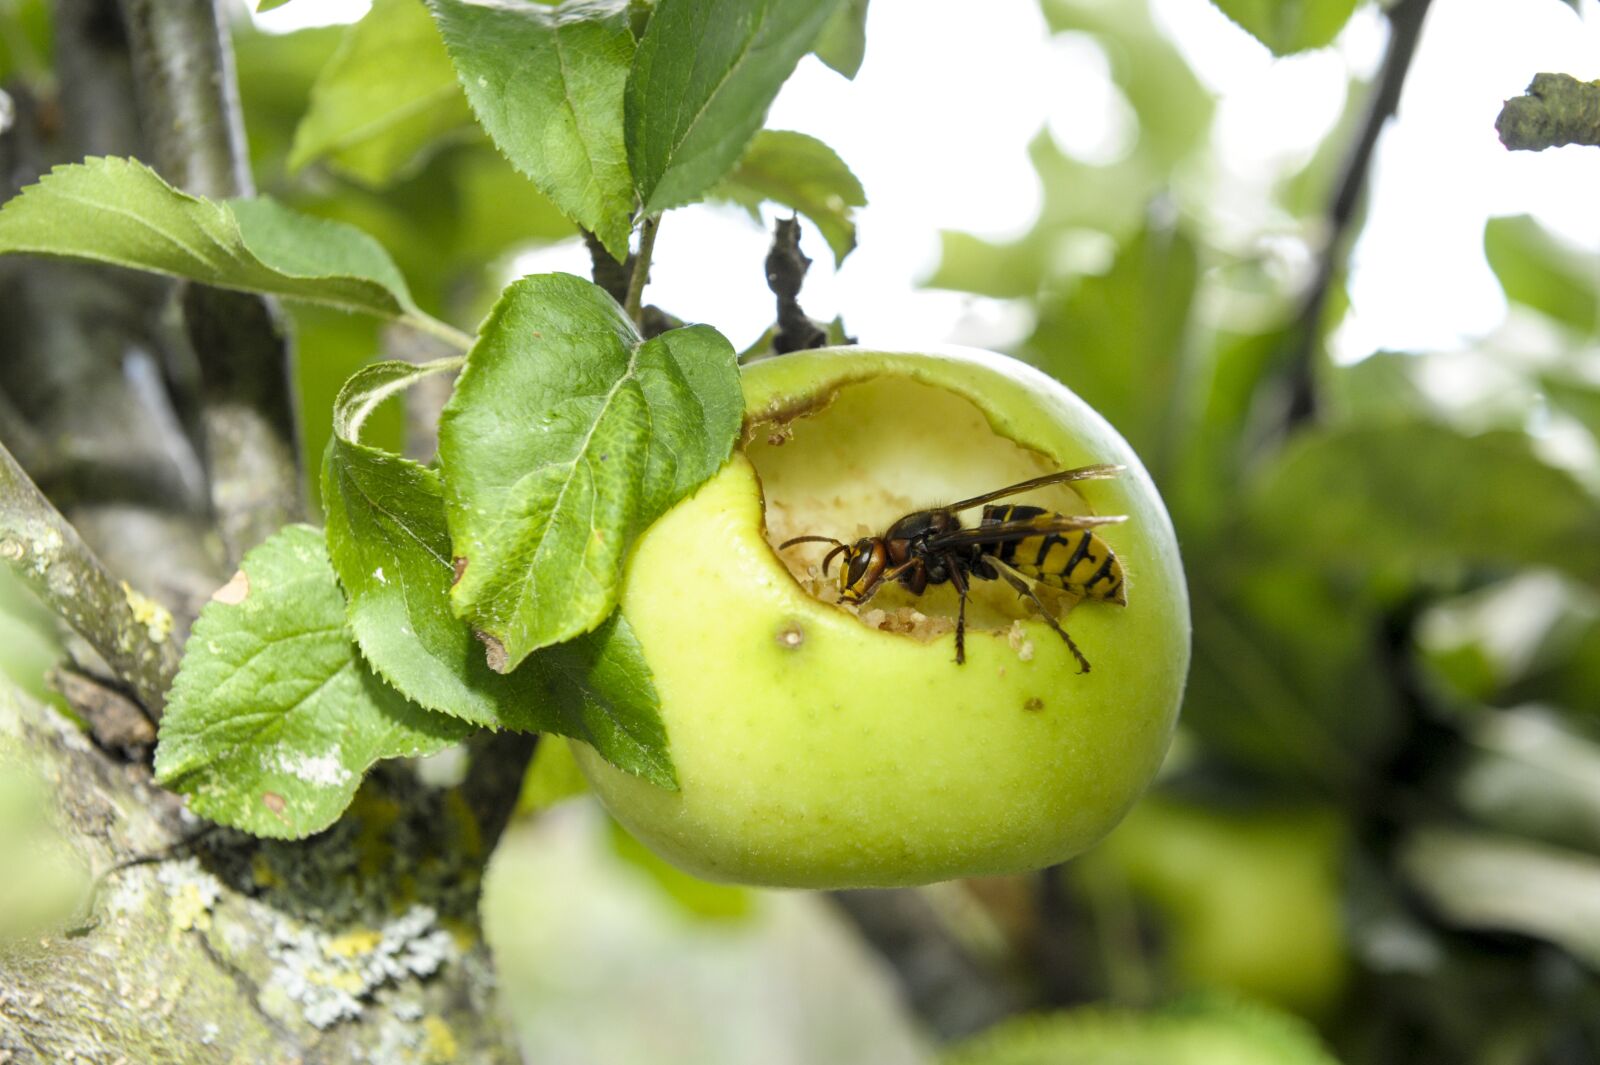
(827, 560)
(809, 540)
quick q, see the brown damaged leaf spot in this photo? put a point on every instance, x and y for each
(1034, 703)
(791, 636)
(234, 592)
(494, 652)
(459, 567)
(274, 802)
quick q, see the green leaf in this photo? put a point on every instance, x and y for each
(704, 76)
(273, 719)
(842, 44)
(566, 436)
(263, 6)
(302, 246)
(1287, 26)
(802, 173)
(1408, 496)
(1205, 1031)
(25, 42)
(498, 211)
(1118, 340)
(553, 776)
(1505, 884)
(1541, 271)
(547, 83)
(275, 72)
(970, 263)
(1285, 681)
(391, 548)
(1531, 773)
(1577, 394)
(1173, 106)
(119, 211)
(385, 100)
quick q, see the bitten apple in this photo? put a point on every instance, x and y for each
(823, 745)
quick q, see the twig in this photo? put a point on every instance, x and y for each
(498, 762)
(641, 268)
(133, 634)
(606, 271)
(1558, 109)
(653, 321)
(1405, 28)
(786, 272)
(188, 102)
(943, 984)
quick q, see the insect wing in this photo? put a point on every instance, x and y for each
(1021, 529)
(1080, 473)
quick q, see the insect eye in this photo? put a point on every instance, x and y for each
(858, 567)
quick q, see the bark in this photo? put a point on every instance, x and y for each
(131, 633)
(1557, 110)
(188, 104)
(952, 991)
(203, 946)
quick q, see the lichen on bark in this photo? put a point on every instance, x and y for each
(202, 945)
(1557, 110)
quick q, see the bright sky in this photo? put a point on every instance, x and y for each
(1419, 277)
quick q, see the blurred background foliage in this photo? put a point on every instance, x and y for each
(1377, 838)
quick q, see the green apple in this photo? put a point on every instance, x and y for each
(823, 745)
(1249, 900)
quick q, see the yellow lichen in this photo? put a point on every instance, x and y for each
(464, 824)
(464, 933)
(155, 618)
(190, 909)
(262, 873)
(376, 815)
(361, 941)
(342, 980)
(439, 1046)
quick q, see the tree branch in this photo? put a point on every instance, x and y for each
(497, 764)
(1405, 29)
(209, 946)
(189, 104)
(1557, 110)
(92, 373)
(786, 272)
(943, 984)
(606, 271)
(133, 634)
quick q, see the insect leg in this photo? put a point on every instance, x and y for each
(960, 581)
(1022, 589)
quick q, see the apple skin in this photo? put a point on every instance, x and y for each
(815, 751)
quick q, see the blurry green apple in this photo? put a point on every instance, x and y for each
(820, 745)
(1249, 901)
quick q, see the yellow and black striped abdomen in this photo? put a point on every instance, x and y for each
(1075, 560)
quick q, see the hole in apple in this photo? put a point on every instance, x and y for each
(850, 464)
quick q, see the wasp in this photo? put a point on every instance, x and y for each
(1016, 544)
